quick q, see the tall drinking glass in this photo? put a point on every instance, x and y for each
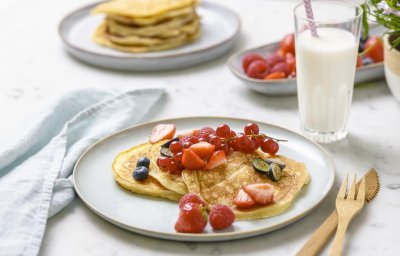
(326, 64)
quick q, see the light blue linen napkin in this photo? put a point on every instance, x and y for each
(36, 167)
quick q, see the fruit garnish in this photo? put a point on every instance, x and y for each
(221, 216)
(143, 161)
(191, 198)
(287, 44)
(168, 143)
(166, 152)
(261, 193)
(260, 166)
(270, 146)
(258, 69)
(215, 140)
(277, 161)
(243, 200)
(359, 61)
(175, 147)
(251, 128)
(373, 48)
(192, 219)
(281, 67)
(177, 159)
(274, 59)
(216, 159)
(274, 172)
(275, 75)
(223, 131)
(192, 161)
(291, 61)
(162, 132)
(168, 164)
(140, 173)
(203, 149)
(249, 58)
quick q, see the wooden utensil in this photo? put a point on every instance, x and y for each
(321, 236)
(348, 205)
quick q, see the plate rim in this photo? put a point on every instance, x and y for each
(204, 237)
(62, 35)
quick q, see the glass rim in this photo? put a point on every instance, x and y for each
(329, 22)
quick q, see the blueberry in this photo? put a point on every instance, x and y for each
(367, 61)
(144, 161)
(140, 173)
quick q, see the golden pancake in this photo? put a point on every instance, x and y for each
(171, 181)
(152, 20)
(101, 37)
(141, 8)
(221, 184)
(160, 30)
(123, 167)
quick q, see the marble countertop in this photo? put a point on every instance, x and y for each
(35, 69)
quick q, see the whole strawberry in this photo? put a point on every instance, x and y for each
(221, 216)
(191, 198)
(192, 219)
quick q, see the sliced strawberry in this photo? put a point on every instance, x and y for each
(216, 159)
(191, 161)
(203, 149)
(262, 193)
(162, 132)
(243, 200)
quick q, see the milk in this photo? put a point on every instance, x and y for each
(325, 76)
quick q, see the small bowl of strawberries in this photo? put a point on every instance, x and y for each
(271, 69)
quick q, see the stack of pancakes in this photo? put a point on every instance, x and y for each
(147, 25)
(219, 185)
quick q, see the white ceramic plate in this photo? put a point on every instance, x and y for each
(154, 217)
(287, 86)
(220, 29)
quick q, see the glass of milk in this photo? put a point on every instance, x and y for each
(326, 66)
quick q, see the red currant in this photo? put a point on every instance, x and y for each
(178, 159)
(251, 128)
(225, 148)
(232, 134)
(223, 130)
(187, 144)
(194, 140)
(165, 163)
(215, 140)
(270, 146)
(175, 147)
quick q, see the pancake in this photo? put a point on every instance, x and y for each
(159, 30)
(171, 181)
(142, 8)
(221, 184)
(101, 37)
(152, 20)
(122, 169)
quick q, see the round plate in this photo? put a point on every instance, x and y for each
(95, 185)
(220, 28)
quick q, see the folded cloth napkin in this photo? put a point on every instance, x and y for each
(36, 168)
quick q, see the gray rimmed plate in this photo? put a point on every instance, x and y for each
(287, 86)
(220, 29)
(95, 185)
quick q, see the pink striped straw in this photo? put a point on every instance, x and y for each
(310, 16)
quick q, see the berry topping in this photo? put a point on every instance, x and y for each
(215, 140)
(140, 173)
(274, 59)
(177, 159)
(281, 67)
(223, 131)
(162, 132)
(221, 216)
(175, 147)
(258, 69)
(243, 200)
(192, 219)
(192, 161)
(143, 161)
(203, 149)
(287, 44)
(251, 128)
(191, 198)
(261, 193)
(216, 159)
(270, 146)
(165, 163)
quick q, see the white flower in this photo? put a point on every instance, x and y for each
(382, 5)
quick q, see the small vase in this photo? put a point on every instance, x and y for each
(392, 68)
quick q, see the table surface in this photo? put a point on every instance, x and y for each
(35, 69)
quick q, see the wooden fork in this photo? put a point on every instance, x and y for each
(348, 205)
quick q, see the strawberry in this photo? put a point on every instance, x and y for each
(162, 132)
(262, 193)
(216, 159)
(243, 200)
(221, 216)
(192, 161)
(192, 219)
(203, 149)
(191, 198)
